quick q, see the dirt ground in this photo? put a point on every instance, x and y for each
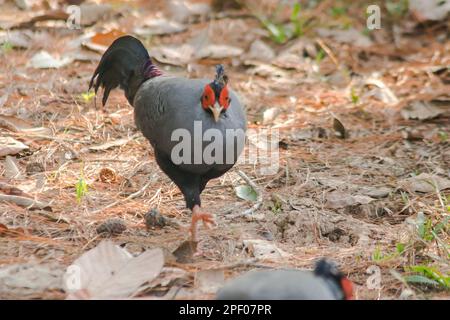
(363, 172)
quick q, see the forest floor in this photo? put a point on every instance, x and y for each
(363, 159)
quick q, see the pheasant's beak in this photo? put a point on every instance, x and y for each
(216, 110)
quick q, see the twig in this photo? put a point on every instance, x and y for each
(24, 202)
(328, 51)
(106, 160)
(45, 137)
(131, 196)
(259, 199)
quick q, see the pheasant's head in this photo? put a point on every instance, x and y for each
(328, 270)
(215, 97)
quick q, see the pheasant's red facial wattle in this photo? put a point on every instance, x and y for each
(208, 97)
(224, 99)
(347, 288)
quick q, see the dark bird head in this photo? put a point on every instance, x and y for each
(215, 97)
(329, 271)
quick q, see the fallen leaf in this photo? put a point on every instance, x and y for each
(44, 60)
(425, 183)
(429, 9)
(246, 193)
(31, 276)
(381, 91)
(185, 252)
(376, 192)
(94, 12)
(174, 55)
(209, 281)
(10, 189)
(422, 110)
(270, 115)
(111, 272)
(25, 202)
(167, 276)
(10, 146)
(216, 51)
(3, 99)
(17, 38)
(263, 249)
(11, 169)
(184, 11)
(18, 125)
(351, 36)
(110, 144)
(56, 15)
(159, 27)
(338, 199)
(260, 51)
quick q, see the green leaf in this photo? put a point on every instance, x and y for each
(420, 279)
(320, 55)
(81, 189)
(354, 96)
(431, 274)
(400, 248)
(246, 193)
(295, 11)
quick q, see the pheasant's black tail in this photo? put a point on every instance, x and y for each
(127, 64)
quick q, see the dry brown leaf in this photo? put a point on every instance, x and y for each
(111, 272)
(159, 27)
(110, 144)
(425, 182)
(10, 146)
(338, 199)
(429, 9)
(11, 169)
(209, 281)
(18, 125)
(422, 110)
(263, 249)
(351, 36)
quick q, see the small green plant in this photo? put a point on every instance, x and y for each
(281, 33)
(6, 47)
(81, 188)
(320, 55)
(443, 136)
(276, 206)
(400, 247)
(354, 96)
(397, 9)
(379, 256)
(296, 20)
(427, 275)
(87, 96)
(336, 12)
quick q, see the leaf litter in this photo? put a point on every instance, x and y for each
(349, 199)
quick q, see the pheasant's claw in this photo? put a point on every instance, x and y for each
(207, 219)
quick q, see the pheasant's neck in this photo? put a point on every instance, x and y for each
(151, 71)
